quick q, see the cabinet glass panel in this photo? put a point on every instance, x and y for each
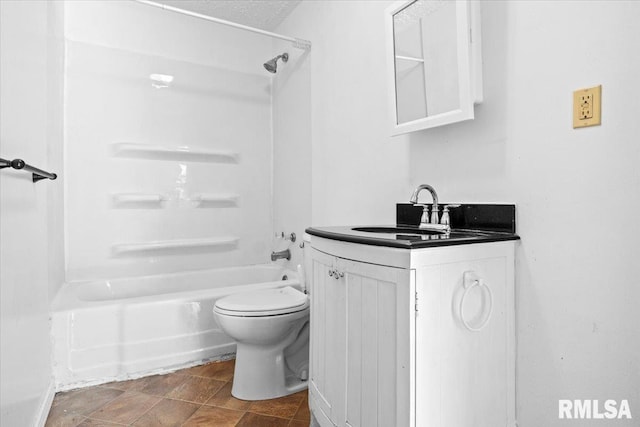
(425, 44)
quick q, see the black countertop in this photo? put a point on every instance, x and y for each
(407, 237)
(470, 223)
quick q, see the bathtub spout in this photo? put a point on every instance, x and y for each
(286, 254)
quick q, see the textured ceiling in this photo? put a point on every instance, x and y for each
(264, 14)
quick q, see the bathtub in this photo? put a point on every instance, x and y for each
(127, 328)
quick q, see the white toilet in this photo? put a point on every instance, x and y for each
(271, 329)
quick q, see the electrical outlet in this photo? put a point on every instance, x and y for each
(586, 107)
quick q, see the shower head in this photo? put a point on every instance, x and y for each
(272, 64)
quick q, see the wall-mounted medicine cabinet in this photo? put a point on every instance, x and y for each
(434, 62)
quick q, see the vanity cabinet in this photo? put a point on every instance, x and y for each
(389, 346)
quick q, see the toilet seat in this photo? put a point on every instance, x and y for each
(268, 302)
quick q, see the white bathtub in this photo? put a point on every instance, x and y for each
(125, 328)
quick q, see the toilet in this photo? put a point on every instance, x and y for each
(271, 330)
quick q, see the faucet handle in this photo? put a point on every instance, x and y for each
(425, 213)
(446, 219)
(282, 235)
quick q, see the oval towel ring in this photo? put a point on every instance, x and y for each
(470, 281)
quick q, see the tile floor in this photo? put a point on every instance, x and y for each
(198, 396)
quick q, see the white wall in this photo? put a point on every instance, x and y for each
(357, 172)
(575, 190)
(29, 264)
(219, 100)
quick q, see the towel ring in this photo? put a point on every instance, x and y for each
(470, 281)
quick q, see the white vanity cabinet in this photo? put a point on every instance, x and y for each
(389, 347)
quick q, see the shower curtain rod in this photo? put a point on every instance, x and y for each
(296, 42)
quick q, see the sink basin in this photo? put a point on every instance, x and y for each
(397, 230)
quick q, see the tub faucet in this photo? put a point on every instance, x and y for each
(286, 254)
(425, 222)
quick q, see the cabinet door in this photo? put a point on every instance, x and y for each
(463, 376)
(379, 313)
(327, 341)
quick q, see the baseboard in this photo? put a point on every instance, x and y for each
(45, 406)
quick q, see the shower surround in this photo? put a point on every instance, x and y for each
(175, 143)
(168, 143)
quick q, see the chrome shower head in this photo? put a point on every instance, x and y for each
(272, 64)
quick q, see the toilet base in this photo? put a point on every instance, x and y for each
(261, 373)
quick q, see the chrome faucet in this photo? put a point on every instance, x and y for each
(286, 254)
(425, 222)
(434, 196)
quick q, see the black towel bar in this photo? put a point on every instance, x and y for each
(37, 174)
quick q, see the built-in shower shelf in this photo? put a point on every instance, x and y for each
(215, 200)
(219, 243)
(409, 58)
(137, 200)
(156, 152)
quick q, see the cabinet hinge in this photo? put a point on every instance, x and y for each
(416, 302)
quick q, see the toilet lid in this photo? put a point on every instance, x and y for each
(280, 301)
